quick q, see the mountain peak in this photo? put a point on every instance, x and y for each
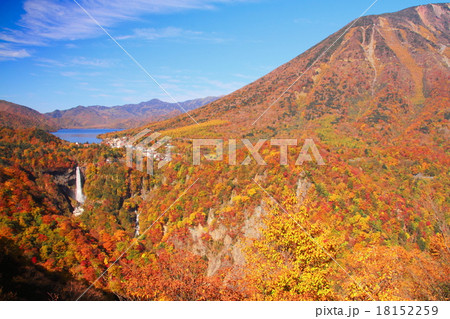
(385, 72)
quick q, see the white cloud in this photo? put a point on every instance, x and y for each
(185, 87)
(169, 32)
(19, 37)
(8, 52)
(224, 86)
(75, 62)
(50, 62)
(154, 34)
(49, 20)
(75, 74)
(91, 62)
(22, 53)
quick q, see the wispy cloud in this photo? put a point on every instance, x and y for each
(75, 62)
(170, 33)
(10, 53)
(76, 74)
(98, 63)
(154, 34)
(223, 86)
(50, 62)
(185, 87)
(50, 20)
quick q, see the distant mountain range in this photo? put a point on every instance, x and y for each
(20, 117)
(123, 116)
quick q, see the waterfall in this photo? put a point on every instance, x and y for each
(137, 229)
(79, 192)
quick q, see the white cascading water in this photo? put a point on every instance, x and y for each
(79, 191)
(137, 229)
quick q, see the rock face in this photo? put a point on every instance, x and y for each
(67, 186)
(303, 185)
(223, 250)
(66, 181)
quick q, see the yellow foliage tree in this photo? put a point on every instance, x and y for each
(292, 259)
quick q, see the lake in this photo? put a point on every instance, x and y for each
(82, 135)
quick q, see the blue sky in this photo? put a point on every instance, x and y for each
(54, 56)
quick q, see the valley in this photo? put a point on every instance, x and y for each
(353, 206)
